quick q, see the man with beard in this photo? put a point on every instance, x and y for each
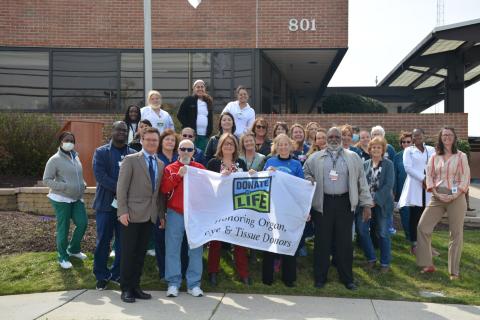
(341, 187)
(172, 186)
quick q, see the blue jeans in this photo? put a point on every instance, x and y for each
(174, 231)
(405, 218)
(381, 224)
(107, 224)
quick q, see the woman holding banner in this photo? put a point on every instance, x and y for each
(225, 162)
(282, 160)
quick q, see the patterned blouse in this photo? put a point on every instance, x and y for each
(454, 172)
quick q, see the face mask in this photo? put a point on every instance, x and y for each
(68, 146)
(355, 137)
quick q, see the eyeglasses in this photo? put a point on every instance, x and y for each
(190, 136)
(184, 149)
(406, 141)
(260, 127)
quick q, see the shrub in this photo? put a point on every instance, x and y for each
(27, 140)
(349, 103)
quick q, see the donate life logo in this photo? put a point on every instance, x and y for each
(252, 193)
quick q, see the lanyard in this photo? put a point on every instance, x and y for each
(334, 161)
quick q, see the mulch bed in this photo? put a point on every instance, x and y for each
(24, 232)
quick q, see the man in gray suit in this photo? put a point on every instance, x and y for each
(139, 204)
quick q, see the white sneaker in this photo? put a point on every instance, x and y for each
(151, 252)
(196, 292)
(65, 264)
(112, 253)
(80, 255)
(172, 291)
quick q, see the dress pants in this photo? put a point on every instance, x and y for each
(107, 225)
(240, 255)
(334, 225)
(431, 216)
(415, 214)
(134, 241)
(289, 267)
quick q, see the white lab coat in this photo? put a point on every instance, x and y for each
(415, 163)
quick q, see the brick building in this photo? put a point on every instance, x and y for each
(87, 56)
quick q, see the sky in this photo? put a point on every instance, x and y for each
(383, 32)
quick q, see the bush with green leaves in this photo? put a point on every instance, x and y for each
(350, 103)
(27, 141)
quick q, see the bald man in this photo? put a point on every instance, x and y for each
(172, 185)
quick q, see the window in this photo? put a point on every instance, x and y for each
(23, 80)
(85, 81)
(131, 80)
(170, 77)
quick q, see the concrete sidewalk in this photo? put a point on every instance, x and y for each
(91, 304)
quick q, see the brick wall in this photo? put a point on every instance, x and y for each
(34, 200)
(393, 123)
(175, 24)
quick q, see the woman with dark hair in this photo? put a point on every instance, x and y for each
(280, 127)
(167, 148)
(225, 162)
(196, 112)
(300, 150)
(320, 142)
(132, 118)
(136, 144)
(400, 176)
(448, 178)
(64, 176)
(362, 144)
(226, 124)
(260, 130)
(242, 112)
(414, 194)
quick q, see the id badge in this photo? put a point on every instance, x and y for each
(454, 189)
(333, 175)
(119, 164)
(114, 204)
(160, 124)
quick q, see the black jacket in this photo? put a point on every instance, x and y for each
(187, 114)
(215, 165)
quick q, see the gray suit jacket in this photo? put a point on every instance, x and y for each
(134, 190)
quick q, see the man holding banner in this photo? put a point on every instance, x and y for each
(173, 186)
(341, 187)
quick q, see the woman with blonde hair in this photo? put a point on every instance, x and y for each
(154, 113)
(300, 149)
(311, 130)
(282, 161)
(253, 159)
(226, 161)
(196, 112)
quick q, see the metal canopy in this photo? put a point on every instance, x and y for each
(446, 62)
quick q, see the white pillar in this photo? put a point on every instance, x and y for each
(147, 51)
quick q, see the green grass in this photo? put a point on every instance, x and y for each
(39, 272)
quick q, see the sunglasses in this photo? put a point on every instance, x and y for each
(187, 136)
(183, 149)
(260, 127)
(406, 141)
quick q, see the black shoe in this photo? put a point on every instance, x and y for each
(128, 296)
(247, 281)
(351, 286)
(212, 278)
(101, 285)
(140, 294)
(319, 284)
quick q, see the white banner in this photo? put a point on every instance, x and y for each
(265, 211)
